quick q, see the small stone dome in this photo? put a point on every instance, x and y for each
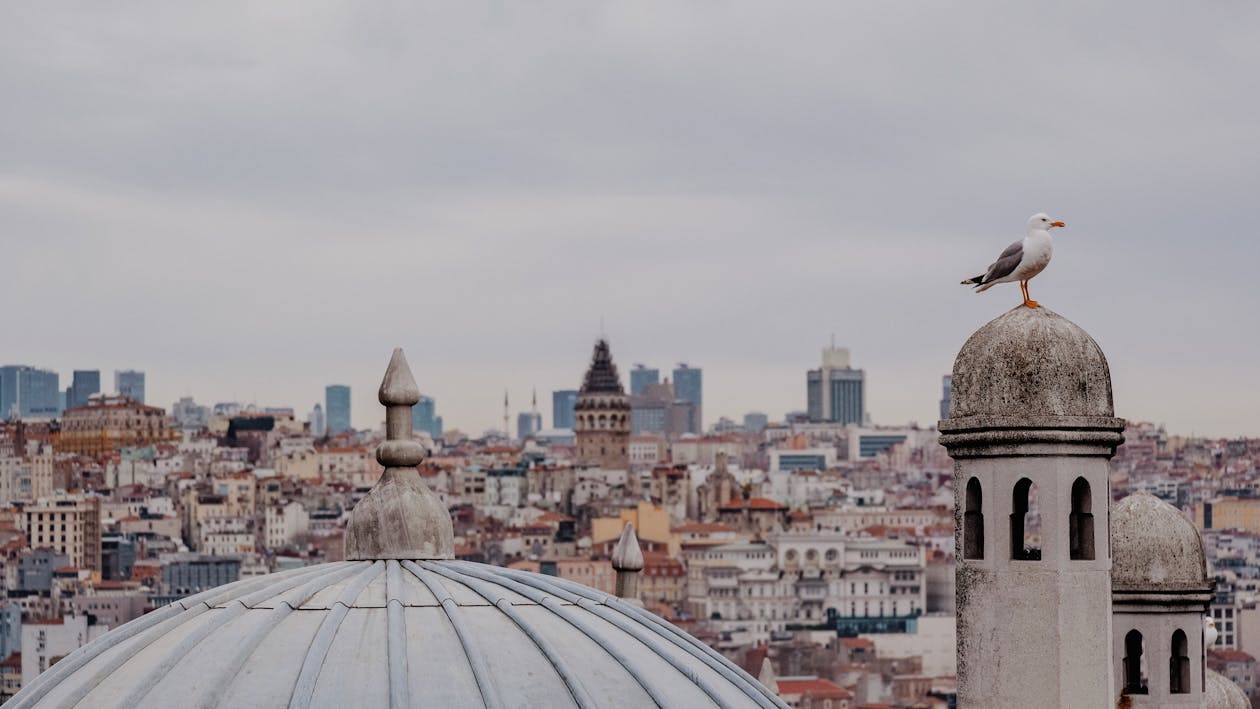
(391, 633)
(1154, 547)
(1031, 363)
(1223, 694)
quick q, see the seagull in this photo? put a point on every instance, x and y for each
(1209, 631)
(1021, 260)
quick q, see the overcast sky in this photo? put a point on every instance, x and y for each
(249, 202)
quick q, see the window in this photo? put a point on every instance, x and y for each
(1025, 522)
(973, 522)
(1179, 665)
(1134, 673)
(1081, 523)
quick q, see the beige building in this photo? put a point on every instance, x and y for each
(1229, 513)
(109, 423)
(68, 524)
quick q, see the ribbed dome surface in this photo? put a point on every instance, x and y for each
(1154, 547)
(396, 634)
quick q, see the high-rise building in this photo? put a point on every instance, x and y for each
(85, 383)
(755, 422)
(836, 392)
(562, 403)
(316, 424)
(602, 415)
(130, 383)
(641, 377)
(528, 423)
(337, 408)
(27, 392)
(424, 417)
(947, 384)
(189, 414)
(689, 387)
(659, 409)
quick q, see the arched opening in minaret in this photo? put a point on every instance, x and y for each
(1025, 522)
(973, 521)
(1179, 664)
(1134, 664)
(1081, 523)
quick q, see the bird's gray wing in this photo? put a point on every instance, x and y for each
(1006, 263)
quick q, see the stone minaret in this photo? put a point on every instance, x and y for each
(602, 415)
(1160, 593)
(1031, 430)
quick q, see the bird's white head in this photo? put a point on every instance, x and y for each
(1042, 222)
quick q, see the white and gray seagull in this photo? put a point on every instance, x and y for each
(1021, 260)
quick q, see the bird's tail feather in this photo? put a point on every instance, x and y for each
(978, 280)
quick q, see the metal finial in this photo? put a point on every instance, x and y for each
(400, 518)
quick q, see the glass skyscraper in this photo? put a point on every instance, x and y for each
(337, 408)
(27, 392)
(130, 383)
(562, 405)
(85, 383)
(835, 392)
(424, 417)
(641, 377)
(689, 386)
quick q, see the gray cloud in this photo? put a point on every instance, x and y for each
(250, 202)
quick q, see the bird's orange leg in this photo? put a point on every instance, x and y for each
(1028, 301)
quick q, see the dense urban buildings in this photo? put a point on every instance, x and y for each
(337, 408)
(818, 555)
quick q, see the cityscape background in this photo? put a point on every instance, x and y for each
(715, 185)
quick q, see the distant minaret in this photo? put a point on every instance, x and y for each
(1031, 428)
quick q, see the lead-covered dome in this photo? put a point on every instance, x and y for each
(389, 633)
(1154, 547)
(1031, 362)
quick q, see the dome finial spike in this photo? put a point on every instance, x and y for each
(398, 388)
(627, 555)
(767, 675)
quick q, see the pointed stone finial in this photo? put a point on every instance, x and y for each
(767, 676)
(627, 561)
(400, 518)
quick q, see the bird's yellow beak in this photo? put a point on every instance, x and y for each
(1054, 224)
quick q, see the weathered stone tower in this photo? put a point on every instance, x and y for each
(1160, 592)
(1031, 429)
(602, 415)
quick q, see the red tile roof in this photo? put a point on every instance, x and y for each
(756, 503)
(816, 687)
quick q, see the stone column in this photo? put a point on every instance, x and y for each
(1032, 410)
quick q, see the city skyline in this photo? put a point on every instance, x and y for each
(812, 172)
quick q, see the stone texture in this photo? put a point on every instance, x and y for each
(400, 519)
(1031, 400)
(1223, 694)
(1155, 547)
(1031, 363)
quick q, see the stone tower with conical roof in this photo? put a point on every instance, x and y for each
(602, 415)
(1031, 430)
